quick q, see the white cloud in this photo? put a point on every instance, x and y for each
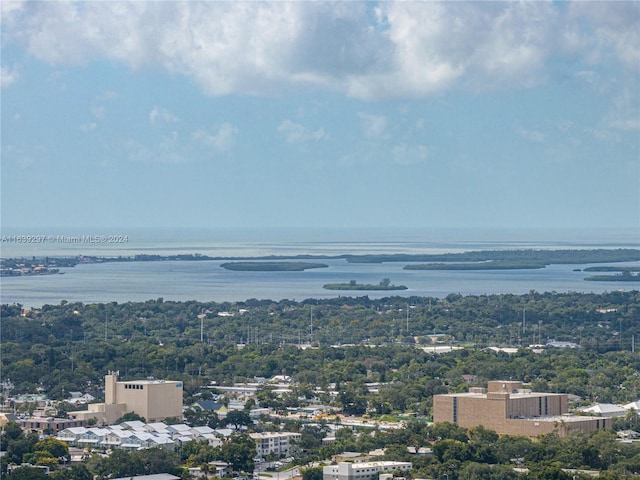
(24, 157)
(98, 111)
(221, 140)
(373, 126)
(532, 135)
(438, 46)
(8, 76)
(629, 124)
(158, 113)
(392, 50)
(409, 154)
(25, 162)
(624, 113)
(137, 152)
(9, 6)
(564, 125)
(165, 152)
(600, 31)
(88, 127)
(604, 134)
(296, 133)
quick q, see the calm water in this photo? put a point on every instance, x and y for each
(207, 281)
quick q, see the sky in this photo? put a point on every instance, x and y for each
(320, 114)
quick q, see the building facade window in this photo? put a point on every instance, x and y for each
(455, 410)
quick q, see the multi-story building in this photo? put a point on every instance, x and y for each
(152, 399)
(47, 425)
(276, 443)
(362, 470)
(508, 409)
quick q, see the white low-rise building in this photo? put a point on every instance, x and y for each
(137, 435)
(276, 443)
(632, 406)
(362, 471)
(605, 410)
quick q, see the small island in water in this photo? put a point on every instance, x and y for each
(621, 273)
(271, 266)
(385, 284)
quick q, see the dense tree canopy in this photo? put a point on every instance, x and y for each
(62, 348)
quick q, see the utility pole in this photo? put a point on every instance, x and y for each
(539, 332)
(620, 333)
(407, 319)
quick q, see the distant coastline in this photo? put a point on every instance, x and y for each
(620, 277)
(178, 278)
(472, 260)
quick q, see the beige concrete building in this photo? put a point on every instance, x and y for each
(48, 425)
(154, 400)
(508, 409)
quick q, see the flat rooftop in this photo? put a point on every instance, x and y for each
(511, 395)
(148, 382)
(562, 418)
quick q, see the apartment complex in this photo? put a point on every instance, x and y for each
(363, 470)
(137, 435)
(277, 443)
(154, 400)
(508, 409)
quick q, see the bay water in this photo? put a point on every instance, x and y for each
(207, 281)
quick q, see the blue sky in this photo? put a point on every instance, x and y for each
(350, 114)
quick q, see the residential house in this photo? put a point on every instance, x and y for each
(605, 410)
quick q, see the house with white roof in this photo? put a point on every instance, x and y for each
(605, 410)
(134, 425)
(217, 469)
(115, 438)
(75, 436)
(137, 435)
(92, 436)
(148, 440)
(224, 432)
(71, 435)
(78, 398)
(178, 429)
(212, 439)
(632, 406)
(159, 427)
(202, 430)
